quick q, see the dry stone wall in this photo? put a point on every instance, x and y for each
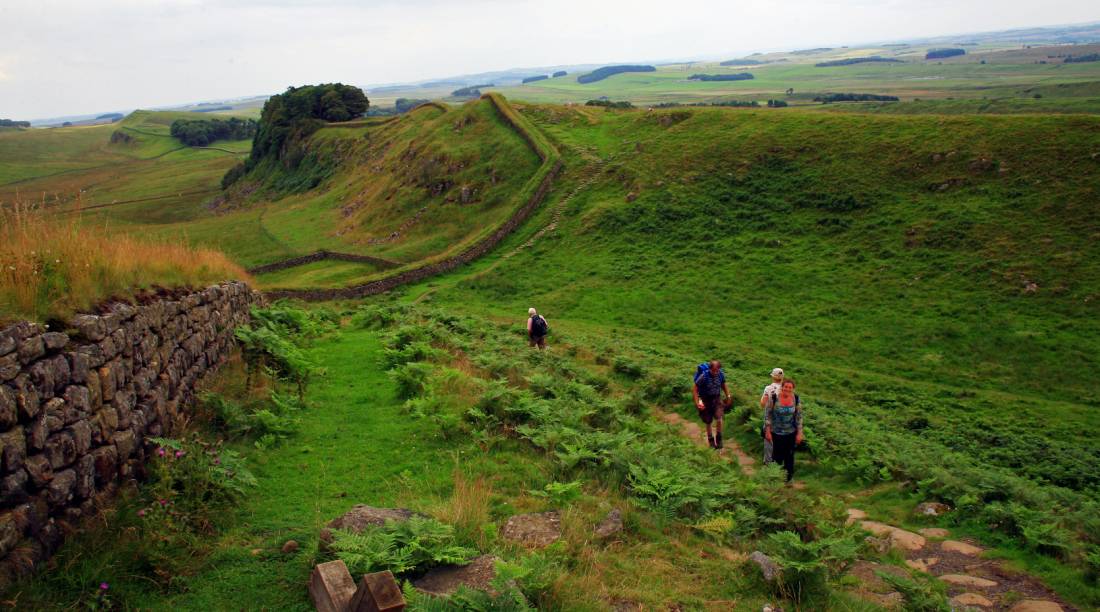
(77, 406)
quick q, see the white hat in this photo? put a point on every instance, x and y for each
(530, 311)
(777, 372)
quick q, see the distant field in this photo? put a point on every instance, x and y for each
(1006, 74)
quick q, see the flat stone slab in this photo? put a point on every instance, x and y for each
(922, 565)
(960, 547)
(855, 514)
(533, 530)
(443, 581)
(934, 532)
(967, 581)
(971, 599)
(1036, 605)
(361, 516)
(900, 538)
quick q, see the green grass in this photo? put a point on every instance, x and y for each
(354, 446)
(319, 274)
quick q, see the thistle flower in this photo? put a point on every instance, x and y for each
(103, 586)
(160, 451)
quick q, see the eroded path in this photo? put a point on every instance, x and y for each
(973, 581)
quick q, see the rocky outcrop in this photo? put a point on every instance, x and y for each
(76, 406)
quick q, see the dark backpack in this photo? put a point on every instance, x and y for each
(539, 328)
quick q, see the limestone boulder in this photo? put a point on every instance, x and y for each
(533, 530)
(362, 516)
(610, 525)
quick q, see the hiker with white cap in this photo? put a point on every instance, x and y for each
(537, 328)
(772, 389)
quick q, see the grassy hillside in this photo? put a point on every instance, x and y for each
(931, 282)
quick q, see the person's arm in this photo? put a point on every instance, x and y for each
(764, 398)
(768, 423)
(530, 321)
(726, 390)
(695, 394)
(798, 437)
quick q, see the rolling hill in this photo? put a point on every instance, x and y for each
(931, 281)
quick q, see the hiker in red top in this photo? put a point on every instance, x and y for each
(710, 385)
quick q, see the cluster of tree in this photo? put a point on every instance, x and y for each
(532, 79)
(857, 60)
(1080, 59)
(14, 123)
(740, 76)
(404, 105)
(472, 91)
(942, 53)
(741, 62)
(291, 116)
(854, 97)
(777, 103)
(112, 116)
(609, 104)
(211, 109)
(201, 132)
(560, 73)
(600, 74)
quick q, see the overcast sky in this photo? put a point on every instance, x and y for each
(61, 57)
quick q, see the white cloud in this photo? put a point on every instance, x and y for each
(83, 57)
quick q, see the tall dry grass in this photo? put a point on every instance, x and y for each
(52, 265)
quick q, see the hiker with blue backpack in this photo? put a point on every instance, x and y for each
(783, 425)
(537, 329)
(709, 387)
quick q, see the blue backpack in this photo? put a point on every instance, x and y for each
(704, 370)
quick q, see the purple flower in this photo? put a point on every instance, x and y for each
(162, 502)
(141, 512)
(160, 451)
(103, 586)
(217, 461)
(179, 454)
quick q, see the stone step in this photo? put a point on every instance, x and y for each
(968, 581)
(960, 547)
(899, 538)
(971, 599)
(1036, 605)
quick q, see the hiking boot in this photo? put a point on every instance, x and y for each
(710, 441)
(718, 441)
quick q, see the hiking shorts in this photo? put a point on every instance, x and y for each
(713, 408)
(539, 341)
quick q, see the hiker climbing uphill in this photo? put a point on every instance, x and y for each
(708, 390)
(783, 425)
(773, 388)
(537, 329)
